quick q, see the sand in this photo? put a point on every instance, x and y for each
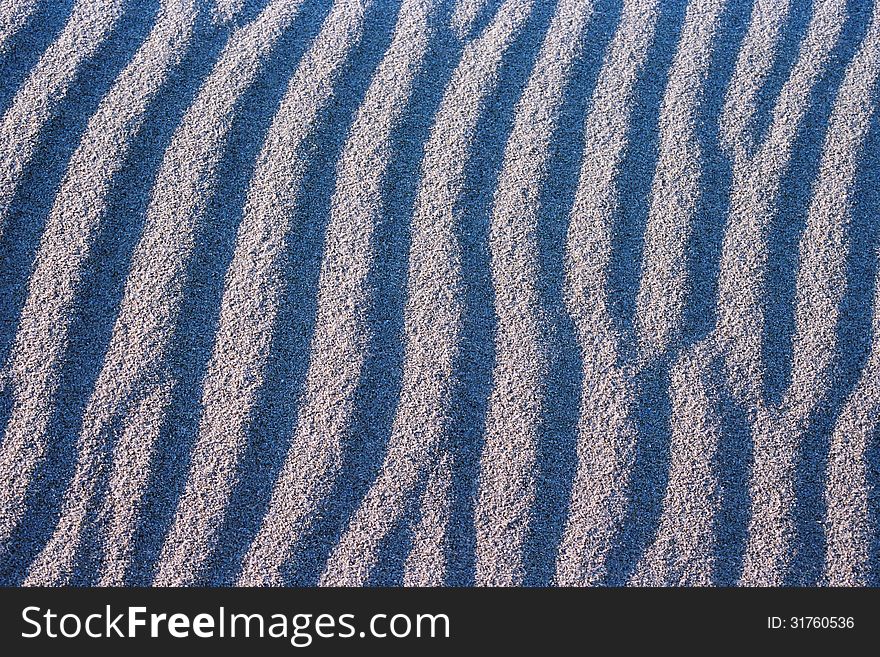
(439, 292)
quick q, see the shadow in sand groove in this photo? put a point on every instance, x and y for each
(704, 247)
(394, 548)
(40, 179)
(855, 332)
(199, 315)
(25, 47)
(27, 217)
(274, 419)
(107, 269)
(103, 285)
(734, 456)
(472, 369)
(651, 466)
(808, 560)
(733, 463)
(86, 412)
(249, 10)
(557, 446)
(376, 393)
(791, 37)
(787, 225)
(637, 173)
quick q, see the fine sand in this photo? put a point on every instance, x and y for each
(440, 292)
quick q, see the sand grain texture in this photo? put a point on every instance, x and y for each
(439, 292)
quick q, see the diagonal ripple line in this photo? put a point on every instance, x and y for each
(250, 298)
(847, 529)
(226, 11)
(154, 290)
(340, 338)
(74, 220)
(89, 24)
(134, 363)
(212, 413)
(754, 196)
(606, 432)
(848, 526)
(676, 186)
(465, 14)
(14, 14)
(679, 554)
(29, 371)
(433, 313)
(753, 66)
(425, 563)
(507, 464)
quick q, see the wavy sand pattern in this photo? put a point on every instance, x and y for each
(440, 292)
